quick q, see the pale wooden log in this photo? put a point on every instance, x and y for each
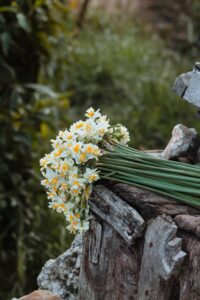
(121, 216)
(162, 258)
(114, 275)
(151, 204)
(111, 266)
(95, 242)
(189, 223)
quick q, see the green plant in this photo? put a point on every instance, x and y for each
(128, 72)
(29, 113)
(169, 178)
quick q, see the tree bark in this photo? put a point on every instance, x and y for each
(82, 13)
(140, 245)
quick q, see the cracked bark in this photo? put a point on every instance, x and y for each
(140, 246)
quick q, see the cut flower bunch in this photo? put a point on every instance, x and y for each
(93, 149)
(70, 169)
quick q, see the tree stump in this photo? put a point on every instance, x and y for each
(140, 246)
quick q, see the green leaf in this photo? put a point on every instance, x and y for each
(7, 9)
(38, 3)
(2, 22)
(42, 89)
(7, 74)
(23, 22)
(6, 40)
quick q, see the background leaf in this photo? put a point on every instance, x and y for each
(23, 22)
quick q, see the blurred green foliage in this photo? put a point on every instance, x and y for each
(29, 115)
(112, 63)
(127, 71)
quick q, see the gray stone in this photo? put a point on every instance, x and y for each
(192, 93)
(61, 275)
(184, 142)
(187, 85)
(181, 83)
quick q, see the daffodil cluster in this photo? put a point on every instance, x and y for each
(69, 170)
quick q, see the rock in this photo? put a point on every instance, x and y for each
(187, 85)
(40, 295)
(192, 93)
(60, 275)
(181, 83)
(184, 142)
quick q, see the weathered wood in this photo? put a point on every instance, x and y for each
(189, 223)
(162, 264)
(115, 275)
(151, 204)
(121, 216)
(190, 276)
(156, 266)
(95, 242)
(162, 258)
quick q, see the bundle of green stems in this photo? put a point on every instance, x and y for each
(174, 179)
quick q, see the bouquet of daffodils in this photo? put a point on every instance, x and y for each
(93, 149)
(70, 171)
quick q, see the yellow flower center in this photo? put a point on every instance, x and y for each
(79, 125)
(82, 157)
(50, 195)
(90, 112)
(75, 191)
(64, 186)
(57, 153)
(54, 180)
(75, 182)
(89, 149)
(62, 174)
(76, 148)
(88, 127)
(71, 217)
(55, 205)
(102, 131)
(65, 167)
(69, 136)
(74, 223)
(93, 177)
(69, 145)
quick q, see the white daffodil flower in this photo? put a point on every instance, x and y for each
(68, 178)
